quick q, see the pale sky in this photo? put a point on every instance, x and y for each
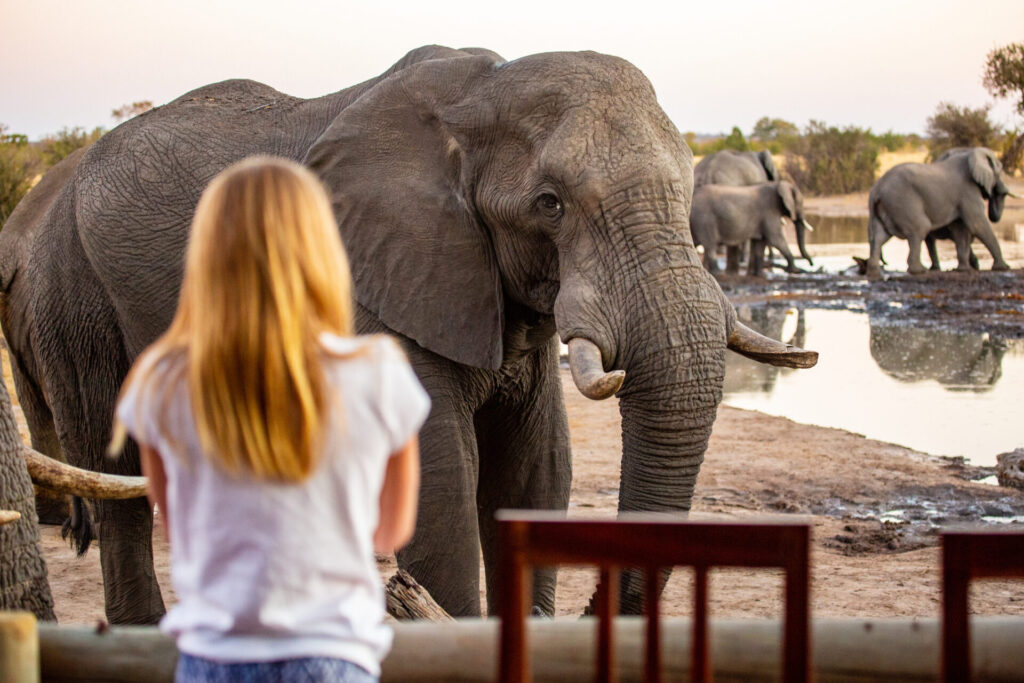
(883, 64)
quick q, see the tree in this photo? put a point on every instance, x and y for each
(1004, 78)
(831, 160)
(953, 126)
(127, 111)
(778, 135)
(58, 146)
(734, 141)
(19, 166)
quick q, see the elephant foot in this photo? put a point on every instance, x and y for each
(936, 267)
(1002, 265)
(964, 269)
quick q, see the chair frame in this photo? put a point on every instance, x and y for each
(968, 555)
(531, 539)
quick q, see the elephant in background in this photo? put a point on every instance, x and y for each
(912, 200)
(729, 167)
(734, 215)
(488, 208)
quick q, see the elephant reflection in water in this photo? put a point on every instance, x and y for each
(745, 375)
(959, 362)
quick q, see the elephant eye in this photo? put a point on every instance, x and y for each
(550, 206)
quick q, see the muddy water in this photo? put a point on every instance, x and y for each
(936, 391)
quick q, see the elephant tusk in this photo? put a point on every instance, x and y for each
(1014, 195)
(807, 226)
(751, 344)
(59, 476)
(588, 370)
(8, 516)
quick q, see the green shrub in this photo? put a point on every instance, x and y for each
(61, 144)
(952, 126)
(20, 164)
(831, 160)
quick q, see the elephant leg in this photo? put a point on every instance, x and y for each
(965, 258)
(444, 553)
(51, 507)
(774, 238)
(877, 236)
(733, 255)
(980, 227)
(933, 252)
(755, 262)
(914, 257)
(525, 460)
(711, 257)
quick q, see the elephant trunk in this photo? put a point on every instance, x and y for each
(802, 228)
(668, 405)
(996, 202)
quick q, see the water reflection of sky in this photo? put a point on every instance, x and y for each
(964, 398)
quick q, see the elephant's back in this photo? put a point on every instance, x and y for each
(728, 168)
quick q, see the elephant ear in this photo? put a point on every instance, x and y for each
(398, 180)
(787, 199)
(984, 168)
(769, 165)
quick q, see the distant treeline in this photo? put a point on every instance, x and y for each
(824, 159)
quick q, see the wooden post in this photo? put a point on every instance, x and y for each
(19, 648)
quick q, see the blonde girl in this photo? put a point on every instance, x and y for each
(280, 448)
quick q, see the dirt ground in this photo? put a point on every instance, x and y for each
(864, 564)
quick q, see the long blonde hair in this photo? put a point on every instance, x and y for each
(265, 275)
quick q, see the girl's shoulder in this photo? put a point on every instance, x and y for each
(372, 348)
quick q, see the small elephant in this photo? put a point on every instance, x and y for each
(488, 208)
(734, 215)
(912, 200)
(730, 167)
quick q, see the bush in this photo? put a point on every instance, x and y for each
(830, 160)
(952, 126)
(59, 145)
(20, 164)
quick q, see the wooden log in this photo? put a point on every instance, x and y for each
(564, 649)
(409, 601)
(19, 648)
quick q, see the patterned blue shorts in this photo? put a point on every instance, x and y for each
(310, 670)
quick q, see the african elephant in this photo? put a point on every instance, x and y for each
(735, 168)
(734, 215)
(486, 207)
(730, 167)
(911, 200)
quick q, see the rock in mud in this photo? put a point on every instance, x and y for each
(1010, 468)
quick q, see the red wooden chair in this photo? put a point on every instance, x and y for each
(966, 556)
(649, 543)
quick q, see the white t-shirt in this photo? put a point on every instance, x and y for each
(267, 571)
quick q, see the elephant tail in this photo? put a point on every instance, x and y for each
(878, 217)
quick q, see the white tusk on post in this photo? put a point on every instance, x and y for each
(588, 370)
(59, 476)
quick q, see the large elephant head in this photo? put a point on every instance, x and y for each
(791, 202)
(557, 183)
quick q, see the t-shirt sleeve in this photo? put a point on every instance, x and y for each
(404, 402)
(134, 409)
